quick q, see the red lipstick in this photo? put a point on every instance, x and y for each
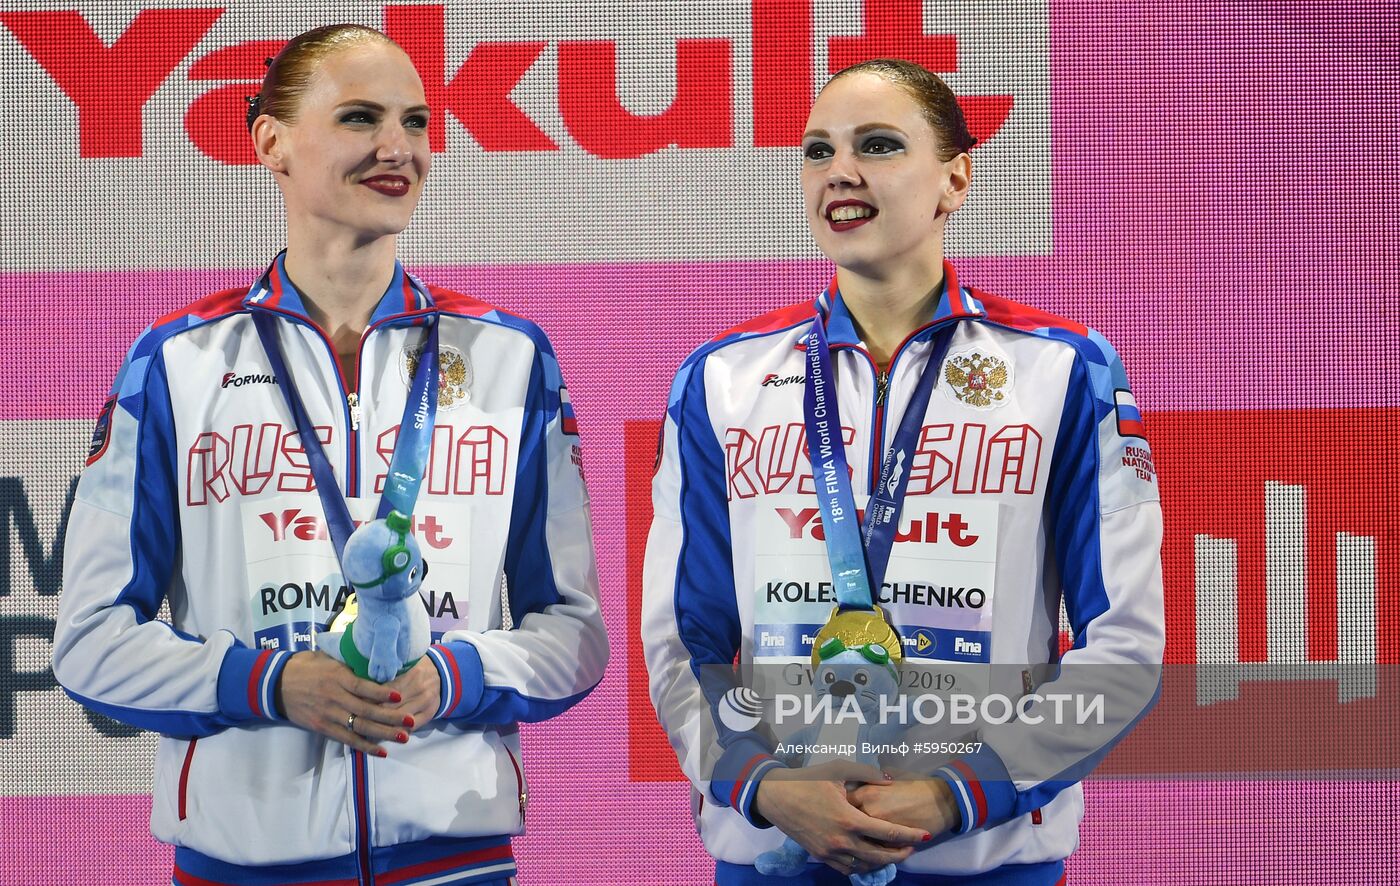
(389, 185)
(864, 213)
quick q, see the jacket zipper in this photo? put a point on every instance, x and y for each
(360, 768)
(353, 414)
(359, 798)
(185, 776)
(877, 449)
(359, 765)
(882, 391)
(359, 792)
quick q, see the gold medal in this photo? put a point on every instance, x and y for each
(859, 627)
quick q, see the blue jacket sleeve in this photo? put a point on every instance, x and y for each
(121, 553)
(691, 631)
(1105, 526)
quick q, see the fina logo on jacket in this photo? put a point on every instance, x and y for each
(454, 374)
(978, 378)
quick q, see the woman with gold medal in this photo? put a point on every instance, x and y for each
(949, 472)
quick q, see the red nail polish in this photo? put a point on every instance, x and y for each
(395, 698)
(408, 721)
(927, 836)
(402, 738)
(380, 752)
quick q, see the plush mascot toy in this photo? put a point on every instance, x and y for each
(855, 662)
(389, 633)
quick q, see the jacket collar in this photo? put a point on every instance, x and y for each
(954, 302)
(274, 291)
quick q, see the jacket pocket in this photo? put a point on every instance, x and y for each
(255, 796)
(185, 777)
(449, 780)
(520, 790)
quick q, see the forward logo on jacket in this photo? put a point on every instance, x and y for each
(774, 380)
(235, 380)
(977, 379)
(454, 374)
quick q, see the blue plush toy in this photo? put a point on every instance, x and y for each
(390, 632)
(863, 671)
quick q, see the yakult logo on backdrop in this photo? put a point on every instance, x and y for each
(603, 132)
(110, 84)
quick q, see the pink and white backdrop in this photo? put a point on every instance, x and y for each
(1211, 184)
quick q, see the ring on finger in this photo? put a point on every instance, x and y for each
(350, 722)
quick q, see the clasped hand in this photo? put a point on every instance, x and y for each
(914, 801)
(857, 829)
(322, 695)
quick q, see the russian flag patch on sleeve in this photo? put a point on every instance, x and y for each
(1129, 418)
(566, 413)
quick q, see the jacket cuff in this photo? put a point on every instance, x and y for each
(982, 788)
(737, 774)
(248, 683)
(460, 675)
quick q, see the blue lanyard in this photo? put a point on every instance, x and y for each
(859, 557)
(410, 459)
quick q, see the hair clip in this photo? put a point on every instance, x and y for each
(254, 109)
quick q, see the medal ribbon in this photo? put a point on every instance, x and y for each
(409, 462)
(859, 557)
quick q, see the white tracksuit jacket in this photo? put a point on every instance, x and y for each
(1031, 480)
(197, 493)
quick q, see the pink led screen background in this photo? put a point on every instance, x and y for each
(1212, 187)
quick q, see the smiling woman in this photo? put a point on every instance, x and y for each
(342, 124)
(272, 764)
(885, 163)
(1041, 508)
